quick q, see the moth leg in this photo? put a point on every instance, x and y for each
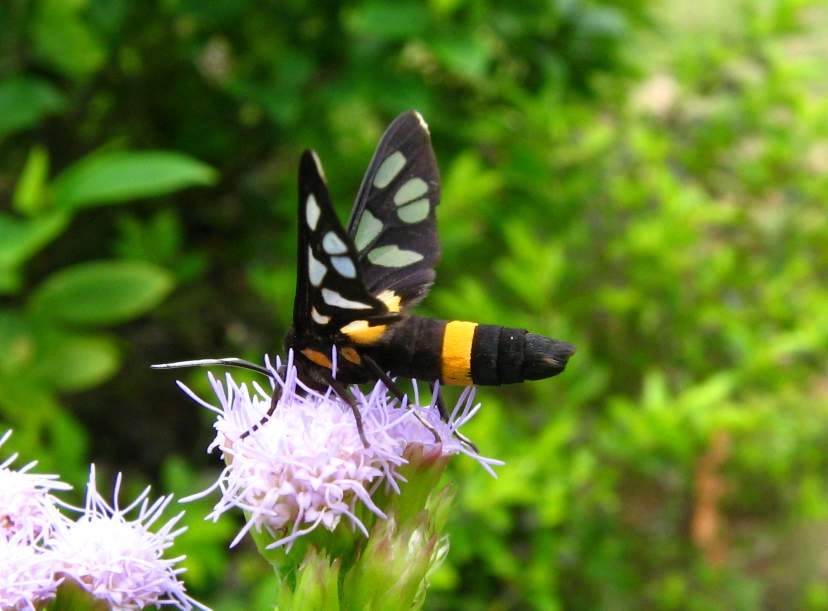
(340, 389)
(274, 400)
(395, 390)
(441, 407)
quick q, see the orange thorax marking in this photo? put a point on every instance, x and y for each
(318, 358)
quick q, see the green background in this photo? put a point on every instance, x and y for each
(645, 179)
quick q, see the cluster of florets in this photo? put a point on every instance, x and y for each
(305, 465)
(116, 560)
(293, 467)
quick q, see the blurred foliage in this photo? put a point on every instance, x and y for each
(647, 180)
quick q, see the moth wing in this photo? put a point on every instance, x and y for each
(330, 287)
(393, 223)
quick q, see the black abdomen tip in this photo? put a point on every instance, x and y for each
(545, 357)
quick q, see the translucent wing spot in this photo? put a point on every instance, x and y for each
(344, 266)
(369, 228)
(312, 212)
(333, 244)
(338, 301)
(318, 165)
(319, 318)
(422, 122)
(389, 169)
(393, 256)
(412, 189)
(414, 212)
(316, 269)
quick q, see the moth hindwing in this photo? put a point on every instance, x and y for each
(385, 261)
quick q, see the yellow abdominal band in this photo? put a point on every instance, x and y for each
(456, 357)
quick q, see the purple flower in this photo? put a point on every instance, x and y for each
(27, 507)
(118, 560)
(306, 466)
(26, 574)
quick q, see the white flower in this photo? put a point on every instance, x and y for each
(27, 507)
(306, 465)
(26, 575)
(121, 561)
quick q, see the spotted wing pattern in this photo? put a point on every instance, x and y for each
(393, 224)
(330, 288)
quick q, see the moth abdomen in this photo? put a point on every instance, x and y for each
(504, 355)
(463, 353)
(545, 357)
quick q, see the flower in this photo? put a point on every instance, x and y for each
(117, 560)
(26, 576)
(305, 465)
(27, 507)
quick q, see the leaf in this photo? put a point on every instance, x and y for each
(25, 100)
(17, 343)
(102, 292)
(10, 281)
(30, 194)
(61, 37)
(78, 362)
(116, 177)
(69, 446)
(467, 56)
(21, 238)
(71, 596)
(388, 21)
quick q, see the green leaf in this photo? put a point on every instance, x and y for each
(316, 585)
(102, 292)
(21, 238)
(69, 447)
(388, 21)
(108, 178)
(24, 101)
(61, 37)
(77, 362)
(71, 596)
(10, 281)
(30, 194)
(18, 344)
(468, 56)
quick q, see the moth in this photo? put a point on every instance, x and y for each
(355, 286)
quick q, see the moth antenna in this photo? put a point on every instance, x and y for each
(223, 362)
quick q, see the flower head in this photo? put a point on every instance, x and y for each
(117, 560)
(27, 507)
(26, 575)
(305, 465)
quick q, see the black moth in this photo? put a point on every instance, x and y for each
(354, 287)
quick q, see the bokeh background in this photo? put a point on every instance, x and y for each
(647, 179)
